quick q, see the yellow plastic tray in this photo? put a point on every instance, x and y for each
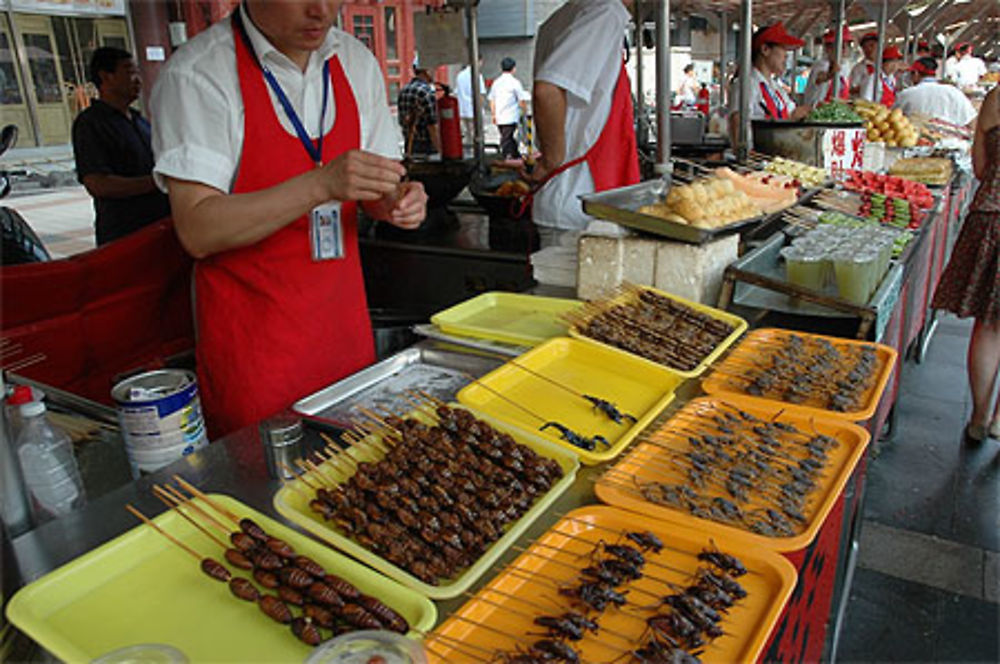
(500, 623)
(748, 351)
(649, 462)
(740, 326)
(640, 388)
(292, 502)
(140, 588)
(513, 318)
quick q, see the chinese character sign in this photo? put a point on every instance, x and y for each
(843, 150)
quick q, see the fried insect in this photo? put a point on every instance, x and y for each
(275, 609)
(215, 569)
(575, 439)
(243, 589)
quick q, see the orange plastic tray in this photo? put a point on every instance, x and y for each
(493, 621)
(651, 461)
(721, 382)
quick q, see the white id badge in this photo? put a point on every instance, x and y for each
(326, 236)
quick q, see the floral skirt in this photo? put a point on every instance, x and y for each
(970, 284)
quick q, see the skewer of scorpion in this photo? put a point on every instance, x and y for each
(681, 621)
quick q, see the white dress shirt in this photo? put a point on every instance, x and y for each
(950, 72)
(508, 93)
(579, 49)
(937, 100)
(859, 78)
(463, 89)
(758, 107)
(969, 70)
(817, 92)
(197, 106)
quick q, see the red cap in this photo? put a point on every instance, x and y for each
(776, 34)
(923, 45)
(921, 68)
(830, 36)
(892, 53)
(869, 36)
(22, 394)
(963, 48)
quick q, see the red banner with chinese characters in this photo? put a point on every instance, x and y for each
(843, 150)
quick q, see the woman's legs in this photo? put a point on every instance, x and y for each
(983, 363)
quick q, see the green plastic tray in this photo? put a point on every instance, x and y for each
(140, 588)
(513, 318)
(292, 502)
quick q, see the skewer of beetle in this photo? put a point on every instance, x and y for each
(436, 497)
(683, 620)
(326, 601)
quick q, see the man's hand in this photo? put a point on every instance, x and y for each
(405, 208)
(540, 172)
(359, 176)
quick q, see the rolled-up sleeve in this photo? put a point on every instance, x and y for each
(379, 131)
(193, 136)
(569, 65)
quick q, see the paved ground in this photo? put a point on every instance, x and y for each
(927, 584)
(62, 218)
(926, 588)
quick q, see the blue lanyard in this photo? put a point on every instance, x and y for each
(313, 148)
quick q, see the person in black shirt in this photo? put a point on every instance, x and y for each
(114, 158)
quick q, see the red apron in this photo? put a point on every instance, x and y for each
(273, 324)
(614, 159)
(888, 89)
(774, 112)
(845, 90)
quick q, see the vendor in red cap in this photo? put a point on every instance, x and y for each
(892, 62)
(929, 97)
(768, 99)
(819, 89)
(861, 71)
(924, 49)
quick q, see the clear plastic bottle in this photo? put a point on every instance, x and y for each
(48, 464)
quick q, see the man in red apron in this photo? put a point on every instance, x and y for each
(583, 110)
(283, 129)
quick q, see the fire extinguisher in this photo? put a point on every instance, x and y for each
(703, 99)
(449, 124)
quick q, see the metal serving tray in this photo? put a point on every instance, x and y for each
(383, 386)
(621, 206)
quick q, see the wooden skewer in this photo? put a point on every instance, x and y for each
(155, 527)
(458, 645)
(167, 500)
(306, 471)
(299, 476)
(513, 637)
(188, 502)
(195, 491)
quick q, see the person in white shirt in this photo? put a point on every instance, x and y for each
(950, 72)
(271, 127)
(864, 69)
(819, 89)
(584, 118)
(937, 100)
(768, 99)
(508, 100)
(969, 69)
(463, 88)
(687, 91)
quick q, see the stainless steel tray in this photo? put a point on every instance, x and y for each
(621, 206)
(425, 366)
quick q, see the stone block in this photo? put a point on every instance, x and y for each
(600, 266)
(694, 271)
(639, 260)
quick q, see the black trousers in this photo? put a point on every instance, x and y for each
(508, 144)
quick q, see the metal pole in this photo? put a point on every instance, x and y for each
(642, 137)
(908, 41)
(663, 88)
(472, 20)
(877, 82)
(723, 60)
(838, 48)
(746, 65)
